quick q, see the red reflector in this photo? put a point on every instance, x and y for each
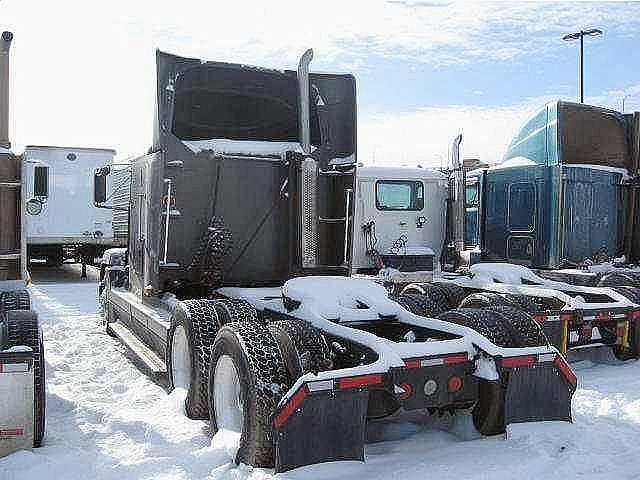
(566, 370)
(290, 407)
(459, 358)
(566, 317)
(511, 362)
(454, 384)
(11, 432)
(413, 363)
(359, 381)
(539, 318)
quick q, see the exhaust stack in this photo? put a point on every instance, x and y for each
(5, 44)
(303, 107)
(459, 195)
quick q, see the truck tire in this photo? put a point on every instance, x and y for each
(488, 412)
(15, 300)
(455, 293)
(493, 299)
(247, 379)
(617, 279)
(194, 326)
(235, 310)
(524, 330)
(418, 304)
(483, 321)
(22, 329)
(304, 348)
(486, 300)
(439, 302)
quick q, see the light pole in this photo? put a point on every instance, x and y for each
(592, 32)
(623, 100)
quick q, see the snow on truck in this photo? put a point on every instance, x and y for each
(563, 200)
(63, 221)
(236, 281)
(22, 367)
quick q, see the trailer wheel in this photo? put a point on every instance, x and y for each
(485, 322)
(617, 279)
(15, 300)
(304, 348)
(524, 330)
(22, 329)
(247, 379)
(438, 300)
(488, 412)
(193, 328)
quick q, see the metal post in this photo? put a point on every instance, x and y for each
(581, 67)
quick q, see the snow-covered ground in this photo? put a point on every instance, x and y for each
(105, 420)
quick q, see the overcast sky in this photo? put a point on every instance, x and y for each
(83, 71)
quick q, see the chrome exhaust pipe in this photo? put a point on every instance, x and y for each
(303, 103)
(459, 195)
(5, 44)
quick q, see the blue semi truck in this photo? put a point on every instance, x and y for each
(563, 195)
(552, 230)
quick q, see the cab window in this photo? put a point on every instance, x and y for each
(399, 195)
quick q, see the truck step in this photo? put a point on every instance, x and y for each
(144, 358)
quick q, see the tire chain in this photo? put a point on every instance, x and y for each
(205, 323)
(235, 310)
(483, 321)
(418, 304)
(14, 300)
(454, 293)
(208, 260)
(525, 331)
(312, 347)
(271, 377)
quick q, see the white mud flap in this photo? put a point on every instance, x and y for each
(17, 401)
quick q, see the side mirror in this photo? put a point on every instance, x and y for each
(100, 185)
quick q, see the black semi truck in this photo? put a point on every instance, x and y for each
(235, 284)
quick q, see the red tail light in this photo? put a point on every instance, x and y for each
(454, 384)
(523, 361)
(451, 359)
(540, 318)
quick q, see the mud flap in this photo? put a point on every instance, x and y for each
(327, 426)
(537, 394)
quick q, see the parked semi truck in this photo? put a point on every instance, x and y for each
(236, 282)
(62, 219)
(565, 196)
(22, 365)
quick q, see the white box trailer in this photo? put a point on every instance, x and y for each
(62, 220)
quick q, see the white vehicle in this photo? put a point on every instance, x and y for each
(399, 221)
(62, 220)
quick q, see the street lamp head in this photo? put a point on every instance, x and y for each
(593, 32)
(572, 36)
